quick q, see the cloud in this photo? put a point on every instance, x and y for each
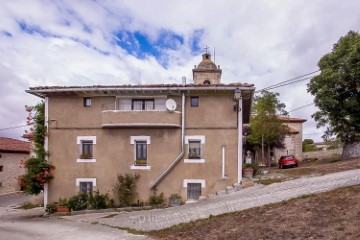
(140, 42)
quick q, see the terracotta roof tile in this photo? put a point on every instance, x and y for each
(13, 145)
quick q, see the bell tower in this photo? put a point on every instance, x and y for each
(207, 72)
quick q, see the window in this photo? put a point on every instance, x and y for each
(194, 101)
(1, 168)
(86, 149)
(207, 82)
(87, 102)
(143, 104)
(140, 153)
(194, 148)
(193, 191)
(86, 187)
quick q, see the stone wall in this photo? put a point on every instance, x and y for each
(322, 153)
(11, 171)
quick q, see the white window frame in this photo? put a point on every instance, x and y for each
(201, 181)
(78, 180)
(79, 140)
(200, 138)
(133, 140)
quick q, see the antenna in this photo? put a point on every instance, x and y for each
(214, 55)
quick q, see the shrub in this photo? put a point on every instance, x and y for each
(50, 208)
(78, 202)
(98, 200)
(156, 199)
(63, 202)
(125, 189)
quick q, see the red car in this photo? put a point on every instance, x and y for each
(288, 161)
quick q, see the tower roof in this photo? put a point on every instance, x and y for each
(206, 63)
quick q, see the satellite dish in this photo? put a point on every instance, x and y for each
(170, 105)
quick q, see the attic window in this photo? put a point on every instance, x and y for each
(87, 102)
(206, 82)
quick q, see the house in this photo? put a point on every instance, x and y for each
(183, 139)
(12, 153)
(293, 141)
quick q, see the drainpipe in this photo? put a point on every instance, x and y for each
(46, 146)
(179, 157)
(240, 140)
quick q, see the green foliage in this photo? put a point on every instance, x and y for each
(155, 199)
(98, 200)
(310, 148)
(308, 141)
(125, 189)
(265, 125)
(78, 202)
(337, 92)
(63, 202)
(50, 208)
(39, 170)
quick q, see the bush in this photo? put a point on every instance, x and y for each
(78, 202)
(98, 200)
(63, 202)
(50, 208)
(156, 199)
(125, 189)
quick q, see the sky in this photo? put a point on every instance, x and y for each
(107, 42)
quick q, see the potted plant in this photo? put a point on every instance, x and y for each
(63, 206)
(174, 200)
(86, 156)
(248, 170)
(194, 156)
(140, 162)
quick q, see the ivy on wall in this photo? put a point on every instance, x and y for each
(39, 170)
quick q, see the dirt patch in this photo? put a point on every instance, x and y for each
(331, 215)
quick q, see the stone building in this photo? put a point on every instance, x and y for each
(12, 152)
(183, 139)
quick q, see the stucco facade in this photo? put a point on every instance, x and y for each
(150, 130)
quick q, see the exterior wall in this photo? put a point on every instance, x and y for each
(293, 143)
(11, 171)
(323, 154)
(212, 77)
(214, 119)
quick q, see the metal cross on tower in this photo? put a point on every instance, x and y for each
(206, 48)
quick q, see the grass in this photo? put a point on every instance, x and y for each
(28, 205)
(111, 215)
(271, 181)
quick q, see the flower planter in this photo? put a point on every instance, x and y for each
(248, 172)
(140, 163)
(62, 209)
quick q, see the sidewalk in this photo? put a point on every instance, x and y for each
(247, 198)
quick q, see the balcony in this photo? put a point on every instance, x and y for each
(144, 119)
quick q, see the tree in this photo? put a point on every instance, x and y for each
(308, 145)
(265, 126)
(337, 93)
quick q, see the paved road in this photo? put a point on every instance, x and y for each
(13, 199)
(19, 224)
(247, 198)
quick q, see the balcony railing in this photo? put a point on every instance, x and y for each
(140, 118)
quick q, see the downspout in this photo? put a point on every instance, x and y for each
(240, 140)
(46, 147)
(179, 157)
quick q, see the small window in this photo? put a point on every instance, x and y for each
(87, 102)
(194, 101)
(143, 104)
(206, 82)
(194, 149)
(193, 191)
(1, 168)
(86, 149)
(86, 187)
(141, 153)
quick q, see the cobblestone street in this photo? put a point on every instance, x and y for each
(247, 198)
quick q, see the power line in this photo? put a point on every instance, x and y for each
(9, 128)
(290, 81)
(304, 106)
